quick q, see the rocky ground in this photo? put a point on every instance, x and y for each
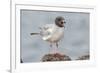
(55, 57)
(62, 57)
(84, 57)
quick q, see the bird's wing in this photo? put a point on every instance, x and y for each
(47, 31)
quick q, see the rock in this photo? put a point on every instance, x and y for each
(55, 57)
(84, 57)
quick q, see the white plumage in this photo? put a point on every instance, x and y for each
(52, 33)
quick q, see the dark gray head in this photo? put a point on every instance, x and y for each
(60, 21)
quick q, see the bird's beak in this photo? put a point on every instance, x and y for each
(64, 22)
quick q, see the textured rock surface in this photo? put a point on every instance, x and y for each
(55, 57)
(84, 57)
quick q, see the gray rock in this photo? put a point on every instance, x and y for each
(55, 57)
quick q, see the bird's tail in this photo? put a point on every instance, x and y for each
(34, 33)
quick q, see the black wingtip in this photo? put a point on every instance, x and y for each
(34, 33)
(31, 33)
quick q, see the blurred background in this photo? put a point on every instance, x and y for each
(76, 36)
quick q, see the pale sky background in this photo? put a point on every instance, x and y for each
(74, 44)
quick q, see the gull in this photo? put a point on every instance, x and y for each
(53, 33)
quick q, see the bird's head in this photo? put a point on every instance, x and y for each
(60, 21)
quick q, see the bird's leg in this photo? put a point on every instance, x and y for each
(51, 46)
(56, 47)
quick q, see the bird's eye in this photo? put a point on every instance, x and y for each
(62, 22)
